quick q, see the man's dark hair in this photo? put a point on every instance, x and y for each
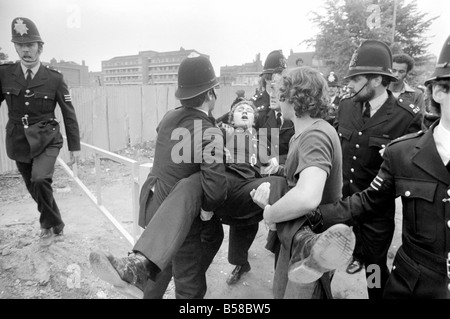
(298, 60)
(196, 101)
(404, 58)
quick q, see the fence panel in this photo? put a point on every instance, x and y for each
(150, 117)
(133, 109)
(116, 114)
(5, 163)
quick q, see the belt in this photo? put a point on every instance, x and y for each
(30, 120)
(430, 260)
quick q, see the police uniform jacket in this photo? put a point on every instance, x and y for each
(261, 100)
(413, 170)
(361, 142)
(268, 120)
(410, 96)
(32, 126)
(167, 171)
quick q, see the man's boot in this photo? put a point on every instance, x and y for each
(315, 254)
(129, 274)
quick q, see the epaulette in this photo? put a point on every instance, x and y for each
(414, 109)
(407, 137)
(52, 69)
(5, 62)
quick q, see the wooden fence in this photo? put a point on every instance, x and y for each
(113, 118)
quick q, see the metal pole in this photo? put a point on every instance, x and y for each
(393, 22)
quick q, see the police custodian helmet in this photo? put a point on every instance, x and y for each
(442, 70)
(24, 31)
(372, 57)
(332, 80)
(275, 63)
(195, 76)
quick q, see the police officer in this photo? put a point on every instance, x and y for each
(199, 176)
(334, 86)
(33, 137)
(269, 112)
(366, 121)
(416, 167)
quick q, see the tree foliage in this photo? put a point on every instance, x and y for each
(3, 56)
(343, 25)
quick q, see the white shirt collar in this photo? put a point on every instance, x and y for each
(441, 137)
(34, 70)
(377, 102)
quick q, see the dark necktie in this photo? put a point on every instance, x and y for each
(28, 77)
(279, 119)
(366, 113)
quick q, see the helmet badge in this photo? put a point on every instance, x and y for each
(20, 27)
(331, 77)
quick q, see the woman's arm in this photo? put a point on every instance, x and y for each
(300, 200)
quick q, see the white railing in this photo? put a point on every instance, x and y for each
(138, 175)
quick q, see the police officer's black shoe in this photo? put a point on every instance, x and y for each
(237, 273)
(315, 254)
(59, 229)
(128, 274)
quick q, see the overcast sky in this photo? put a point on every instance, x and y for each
(231, 32)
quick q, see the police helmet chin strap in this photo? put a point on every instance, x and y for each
(359, 90)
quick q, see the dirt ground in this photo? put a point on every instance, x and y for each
(62, 270)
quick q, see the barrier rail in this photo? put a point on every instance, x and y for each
(136, 176)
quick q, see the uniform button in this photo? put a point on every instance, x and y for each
(354, 158)
(393, 267)
(276, 146)
(352, 170)
(448, 192)
(382, 145)
(27, 103)
(27, 91)
(407, 193)
(340, 134)
(401, 100)
(357, 145)
(7, 93)
(351, 181)
(45, 97)
(448, 287)
(359, 133)
(448, 223)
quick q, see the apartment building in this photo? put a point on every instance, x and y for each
(75, 75)
(146, 67)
